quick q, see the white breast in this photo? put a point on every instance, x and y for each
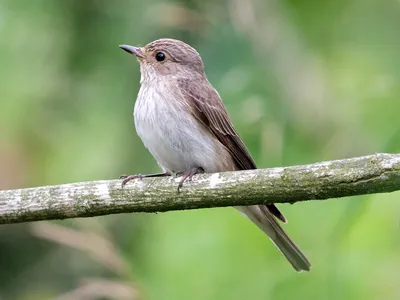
(171, 133)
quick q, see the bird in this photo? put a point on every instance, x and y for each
(182, 121)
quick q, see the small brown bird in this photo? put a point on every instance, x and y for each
(183, 122)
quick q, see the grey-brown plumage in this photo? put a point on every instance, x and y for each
(183, 122)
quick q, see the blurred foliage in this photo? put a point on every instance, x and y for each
(304, 81)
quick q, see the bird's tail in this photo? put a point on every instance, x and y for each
(263, 218)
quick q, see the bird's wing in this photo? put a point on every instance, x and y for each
(207, 106)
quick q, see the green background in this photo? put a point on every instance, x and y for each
(303, 81)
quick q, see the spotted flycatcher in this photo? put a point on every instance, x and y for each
(183, 122)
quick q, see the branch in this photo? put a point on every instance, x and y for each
(379, 173)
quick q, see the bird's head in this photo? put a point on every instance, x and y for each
(167, 57)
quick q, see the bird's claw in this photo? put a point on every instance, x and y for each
(188, 176)
(127, 178)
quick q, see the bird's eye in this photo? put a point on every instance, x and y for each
(160, 56)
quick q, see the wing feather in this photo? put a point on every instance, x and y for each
(207, 106)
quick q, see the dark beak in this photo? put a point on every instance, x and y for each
(133, 50)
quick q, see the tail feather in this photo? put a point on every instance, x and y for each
(274, 210)
(265, 220)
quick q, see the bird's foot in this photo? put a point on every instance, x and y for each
(127, 178)
(188, 175)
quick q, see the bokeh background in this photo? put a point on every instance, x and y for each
(304, 81)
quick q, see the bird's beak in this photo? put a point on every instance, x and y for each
(133, 50)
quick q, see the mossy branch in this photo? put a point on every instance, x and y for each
(378, 173)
